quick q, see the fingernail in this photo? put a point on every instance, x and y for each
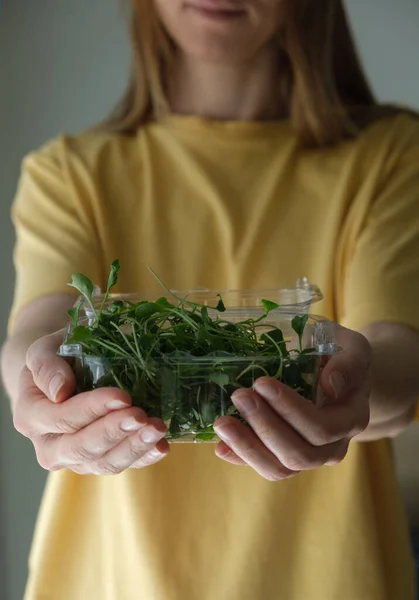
(223, 451)
(131, 424)
(55, 385)
(116, 405)
(338, 383)
(245, 401)
(150, 435)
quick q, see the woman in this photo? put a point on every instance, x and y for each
(247, 152)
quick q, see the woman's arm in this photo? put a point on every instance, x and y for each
(395, 379)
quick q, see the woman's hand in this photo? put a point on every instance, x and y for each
(287, 433)
(97, 432)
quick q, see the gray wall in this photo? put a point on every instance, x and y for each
(62, 65)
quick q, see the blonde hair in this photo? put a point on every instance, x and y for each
(323, 84)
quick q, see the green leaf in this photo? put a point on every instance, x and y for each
(80, 334)
(146, 309)
(269, 306)
(205, 437)
(164, 302)
(220, 306)
(83, 285)
(73, 313)
(298, 324)
(113, 275)
(113, 278)
(307, 363)
(115, 307)
(275, 339)
(196, 318)
(202, 334)
(230, 327)
(220, 378)
(273, 336)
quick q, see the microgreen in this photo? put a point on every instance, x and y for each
(83, 285)
(269, 306)
(298, 324)
(180, 360)
(73, 313)
(112, 281)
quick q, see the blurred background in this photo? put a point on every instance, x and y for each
(63, 65)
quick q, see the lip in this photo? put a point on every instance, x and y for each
(216, 10)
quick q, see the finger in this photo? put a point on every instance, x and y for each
(349, 370)
(319, 426)
(51, 373)
(92, 442)
(138, 450)
(160, 451)
(247, 446)
(227, 454)
(292, 450)
(35, 414)
(155, 455)
(340, 454)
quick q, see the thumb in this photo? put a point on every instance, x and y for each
(348, 370)
(52, 374)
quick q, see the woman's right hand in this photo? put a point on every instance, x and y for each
(97, 432)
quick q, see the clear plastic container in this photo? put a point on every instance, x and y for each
(298, 299)
(190, 392)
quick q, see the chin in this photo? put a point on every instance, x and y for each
(218, 51)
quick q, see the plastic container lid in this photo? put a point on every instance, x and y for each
(297, 300)
(240, 305)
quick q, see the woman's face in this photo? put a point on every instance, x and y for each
(221, 31)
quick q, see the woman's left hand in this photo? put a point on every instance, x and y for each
(288, 433)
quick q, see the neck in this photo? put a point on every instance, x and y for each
(235, 93)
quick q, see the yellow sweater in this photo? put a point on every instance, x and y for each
(226, 205)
